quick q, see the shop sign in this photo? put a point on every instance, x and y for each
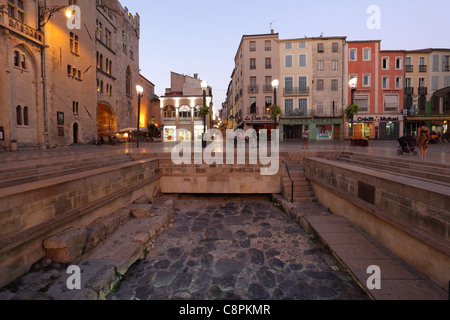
(258, 118)
(378, 119)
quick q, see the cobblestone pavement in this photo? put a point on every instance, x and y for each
(238, 248)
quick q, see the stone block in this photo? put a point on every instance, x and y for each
(123, 214)
(139, 211)
(66, 247)
(141, 237)
(111, 223)
(95, 233)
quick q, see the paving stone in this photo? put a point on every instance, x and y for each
(266, 278)
(228, 266)
(257, 292)
(163, 278)
(256, 256)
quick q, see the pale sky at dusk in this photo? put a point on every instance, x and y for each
(202, 36)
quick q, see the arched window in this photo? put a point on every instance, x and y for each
(185, 112)
(19, 115)
(197, 112)
(25, 116)
(128, 82)
(169, 112)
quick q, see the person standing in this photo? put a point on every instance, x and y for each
(305, 137)
(423, 139)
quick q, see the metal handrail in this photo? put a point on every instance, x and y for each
(292, 181)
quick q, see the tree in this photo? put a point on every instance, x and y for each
(350, 113)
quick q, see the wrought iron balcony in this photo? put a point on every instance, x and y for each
(409, 91)
(423, 91)
(409, 68)
(253, 89)
(296, 91)
(423, 68)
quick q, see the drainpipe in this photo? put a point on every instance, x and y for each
(44, 80)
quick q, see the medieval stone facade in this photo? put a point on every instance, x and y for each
(66, 80)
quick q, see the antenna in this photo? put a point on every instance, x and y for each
(271, 30)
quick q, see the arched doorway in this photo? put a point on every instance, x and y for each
(75, 133)
(106, 121)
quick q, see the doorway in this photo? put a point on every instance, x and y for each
(75, 133)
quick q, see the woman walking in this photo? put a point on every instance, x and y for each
(305, 137)
(423, 139)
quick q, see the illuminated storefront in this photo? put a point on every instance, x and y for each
(377, 127)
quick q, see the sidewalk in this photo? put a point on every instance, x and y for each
(439, 153)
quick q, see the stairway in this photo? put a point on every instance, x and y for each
(437, 173)
(303, 191)
(20, 171)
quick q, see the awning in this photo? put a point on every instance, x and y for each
(442, 93)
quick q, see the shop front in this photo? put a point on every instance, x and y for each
(377, 127)
(321, 129)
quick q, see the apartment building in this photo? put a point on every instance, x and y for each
(391, 94)
(296, 78)
(427, 89)
(66, 83)
(251, 91)
(328, 88)
(180, 108)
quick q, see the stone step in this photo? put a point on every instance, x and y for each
(103, 267)
(405, 164)
(38, 177)
(22, 172)
(46, 161)
(399, 170)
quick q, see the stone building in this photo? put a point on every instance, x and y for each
(180, 109)
(312, 75)
(427, 89)
(66, 79)
(251, 93)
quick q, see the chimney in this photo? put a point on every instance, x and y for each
(272, 31)
(195, 75)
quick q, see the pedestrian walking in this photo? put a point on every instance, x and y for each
(423, 139)
(305, 137)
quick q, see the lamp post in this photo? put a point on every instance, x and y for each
(140, 92)
(353, 84)
(275, 84)
(204, 87)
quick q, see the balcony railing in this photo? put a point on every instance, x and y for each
(423, 91)
(446, 68)
(268, 88)
(409, 68)
(423, 68)
(253, 89)
(20, 27)
(296, 91)
(409, 91)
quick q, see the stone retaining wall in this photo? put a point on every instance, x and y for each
(217, 179)
(31, 213)
(408, 216)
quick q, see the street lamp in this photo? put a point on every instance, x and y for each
(140, 92)
(204, 87)
(353, 83)
(275, 84)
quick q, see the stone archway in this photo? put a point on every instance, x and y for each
(106, 121)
